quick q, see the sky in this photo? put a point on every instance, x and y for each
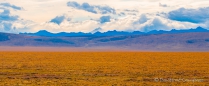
(95, 15)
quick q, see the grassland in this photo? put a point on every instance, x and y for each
(104, 68)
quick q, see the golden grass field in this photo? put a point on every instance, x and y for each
(104, 68)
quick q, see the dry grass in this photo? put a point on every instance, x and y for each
(103, 68)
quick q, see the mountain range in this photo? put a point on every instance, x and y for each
(174, 40)
(112, 33)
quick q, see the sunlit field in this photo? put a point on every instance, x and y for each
(103, 68)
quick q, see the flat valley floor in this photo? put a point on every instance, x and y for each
(103, 68)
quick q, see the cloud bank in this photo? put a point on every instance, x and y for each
(199, 15)
(86, 17)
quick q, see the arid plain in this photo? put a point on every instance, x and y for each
(112, 68)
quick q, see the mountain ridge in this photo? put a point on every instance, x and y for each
(112, 33)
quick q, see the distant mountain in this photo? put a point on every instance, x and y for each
(198, 29)
(4, 37)
(184, 41)
(46, 33)
(112, 33)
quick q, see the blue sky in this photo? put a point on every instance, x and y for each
(87, 15)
